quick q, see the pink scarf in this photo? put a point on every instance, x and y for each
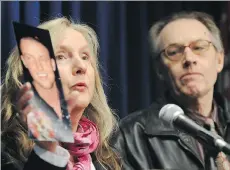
(86, 140)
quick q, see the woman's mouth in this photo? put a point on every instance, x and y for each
(79, 86)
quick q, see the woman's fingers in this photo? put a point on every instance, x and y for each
(25, 108)
(23, 97)
(23, 100)
(24, 88)
(29, 108)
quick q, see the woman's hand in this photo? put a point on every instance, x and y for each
(25, 93)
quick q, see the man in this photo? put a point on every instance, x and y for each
(35, 57)
(189, 57)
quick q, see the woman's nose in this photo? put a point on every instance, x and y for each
(79, 67)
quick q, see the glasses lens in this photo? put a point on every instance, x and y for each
(199, 46)
(174, 52)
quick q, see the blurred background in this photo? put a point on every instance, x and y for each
(122, 28)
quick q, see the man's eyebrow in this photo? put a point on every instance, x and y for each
(192, 41)
(41, 55)
(28, 54)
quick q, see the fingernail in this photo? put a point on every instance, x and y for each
(27, 84)
(30, 92)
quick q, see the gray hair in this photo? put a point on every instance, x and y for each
(204, 18)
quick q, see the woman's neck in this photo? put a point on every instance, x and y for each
(75, 117)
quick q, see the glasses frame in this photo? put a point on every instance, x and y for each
(184, 46)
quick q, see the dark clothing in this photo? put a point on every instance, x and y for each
(144, 142)
(203, 121)
(36, 163)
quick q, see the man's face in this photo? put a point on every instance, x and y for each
(193, 75)
(36, 59)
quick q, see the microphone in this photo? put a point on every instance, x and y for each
(174, 116)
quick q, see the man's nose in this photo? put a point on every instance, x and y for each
(189, 57)
(39, 65)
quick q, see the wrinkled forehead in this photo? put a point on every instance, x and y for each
(70, 38)
(183, 31)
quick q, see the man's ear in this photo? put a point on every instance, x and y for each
(53, 64)
(159, 74)
(159, 69)
(23, 61)
(220, 61)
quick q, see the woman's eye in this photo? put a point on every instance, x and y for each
(85, 57)
(60, 57)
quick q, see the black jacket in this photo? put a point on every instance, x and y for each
(144, 142)
(36, 163)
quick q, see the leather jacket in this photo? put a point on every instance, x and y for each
(144, 142)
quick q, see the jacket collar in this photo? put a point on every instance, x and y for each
(223, 109)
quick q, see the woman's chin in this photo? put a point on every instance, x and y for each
(80, 104)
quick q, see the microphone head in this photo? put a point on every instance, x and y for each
(169, 113)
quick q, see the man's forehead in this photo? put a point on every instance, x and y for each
(29, 43)
(28, 39)
(183, 31)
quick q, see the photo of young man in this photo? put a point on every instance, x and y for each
(49, 118)
(36, 58)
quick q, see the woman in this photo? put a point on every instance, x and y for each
(76, 49)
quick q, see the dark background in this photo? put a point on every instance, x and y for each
(122, 27)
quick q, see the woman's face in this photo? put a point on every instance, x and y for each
(74, 61)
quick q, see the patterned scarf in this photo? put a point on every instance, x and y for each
(86, 140)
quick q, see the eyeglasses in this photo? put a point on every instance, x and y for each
(175, 52)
